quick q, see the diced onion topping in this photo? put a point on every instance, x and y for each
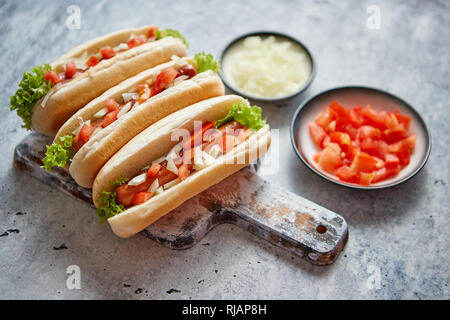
(171, 166)
(214, 151)
(159, 190)
(180, 79)
(173, 153)
(124, 110)
(100, 113)
(267, 67)
(130, 96)
(154, 186)
(138, 180)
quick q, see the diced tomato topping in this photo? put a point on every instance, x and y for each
(317, 133)
(107, 52)
(136, 41)
(366, 178)
(165, 176)
(51, 76)
(141, 197)
(164, 78)
(377, 148)
(111, 105)
(330, 157)
(394, 134)
(187, 70)
(125, 193)
(77, 143)
(368, 132)
(110, 117)
(392, 161)
(364, 162)
(197, 135)
(92, 61)
(405, 120)
(345, 173)
(343, 139)
(227, 143)
(152, 32)
(183, 171)
(85, 132)
(71, 69)
(324, 119)
(154, 169)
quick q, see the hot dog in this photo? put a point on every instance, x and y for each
(92, 135)
(156, 171)
(50, 94)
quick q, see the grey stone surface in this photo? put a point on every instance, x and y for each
(398, 236)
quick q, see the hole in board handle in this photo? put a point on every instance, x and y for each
(321, 229)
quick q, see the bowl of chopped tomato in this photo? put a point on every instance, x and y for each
(360, 137)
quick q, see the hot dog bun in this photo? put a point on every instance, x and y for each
(66, 98)
(94, 154)
(155, 142)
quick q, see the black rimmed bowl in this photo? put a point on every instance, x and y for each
(353, 96)
(265, 34)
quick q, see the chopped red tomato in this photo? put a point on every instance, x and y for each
(136, 41)
(85, 132)
(51, 76)
(183, 171)
(324, 119)
(111, 105)
(77, 143)
(368, 132)
(343, 139)
(394, 134)
(345, 173)
(125, 193)
(317, 133)
(366, 178)
(141, 197)
(151, 33)
(110, 118)
(227, 143)
(364, 162)
(197, 135)
(154, 169)
(377, 148)
(391, 161)
(164, 78)
(405, 120)
(71, 69)
(330, 157)
(92, 61)
(107, 52)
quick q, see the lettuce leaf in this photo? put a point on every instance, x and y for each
(171, 33)
(204, 62)
(32, 87)
(119, 181)
(58, 154)
(245, 115)
(110, 207)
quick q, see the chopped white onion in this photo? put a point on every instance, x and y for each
(171, 166)
(130, 96)
(171, 183)
(124, 110)
(121, 47)
(138, 180)
(154, 186)
(179, 62)
(207, 159)
(159, 190)
(97, 130)
(100, 113)
(214, 151)
(198, 159)
(173, 153)
(180, 79)
(44, 101)
(80, 62)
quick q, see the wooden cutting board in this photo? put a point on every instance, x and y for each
(244, 199)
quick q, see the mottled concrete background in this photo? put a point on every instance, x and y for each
(399, 238)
